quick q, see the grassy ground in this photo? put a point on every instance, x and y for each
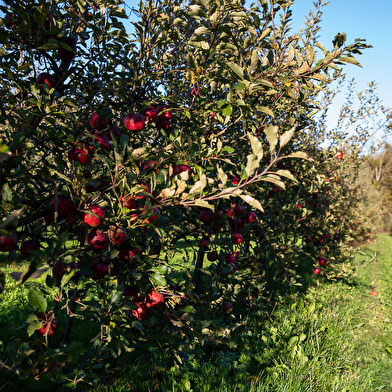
(336, 337)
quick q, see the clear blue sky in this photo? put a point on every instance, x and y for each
(366, 19)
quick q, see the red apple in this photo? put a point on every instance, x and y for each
(113, 130)
(98, 122)
(238, 209)
(127, 254)
(142, 312)
(374, 293)
(101, 140)
(204, 243)
(154, 300)
(163, 112)
(339, 155)
(58, 270)
(92, 220)
(150, 113)
(227, 307)
(150, 165)
(162, 123)
(78, 155)
(236, 238)
(49, 324)
(65, 207)
(128, 202)
(27, 246)
(8, 241)
(322, 261)
(230, 258)
(97, 240)
(177, 169)
(131, 292)
(99, 268)
(205, 216)
(317, 271)
(117, 234)
(252, 217)
(134, 122)
(46, 78)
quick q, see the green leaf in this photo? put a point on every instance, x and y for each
(237, 69)
(195, 11)
(37, 299)
(222, 175)
(228, 110)
(299, 154)
(287, 174)
(272, 135)
(6, 193)
(202, 203)
(351, 60)
(252, 201)
(257, 146)
(158, 280)
(266, 110)
(287, 136)
(188, 309)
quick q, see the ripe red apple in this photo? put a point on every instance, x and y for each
(97, 240)
(128, 202)
(65, 207)
(131, 292)
(27, 246)
(8, 241)
(162, 123)
(252, 217)
(142, 312)
(317, 271)
(234, 179)
(230, 258)
(163, 112)
(49, 324)
(101, 140)
(238, 209)
(58, 270)
(227, 307)
(128, 253)
(374, 293)
(113, 130)
(177, 169)
(212, 256)
(217, 215)
(150, 165)
(155, 215)
(145, 188)
(205, 216)
(78, 155)
(322, 261)
(236, 238)
(99, 268)
(98, 122)
(117, 234)
(92, 220)
(150, 113)
(339, 155)
(134, 122)
(46, 78)
(154, 300)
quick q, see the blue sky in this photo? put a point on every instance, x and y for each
(366, 19)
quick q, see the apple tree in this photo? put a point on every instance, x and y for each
(128, 156)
